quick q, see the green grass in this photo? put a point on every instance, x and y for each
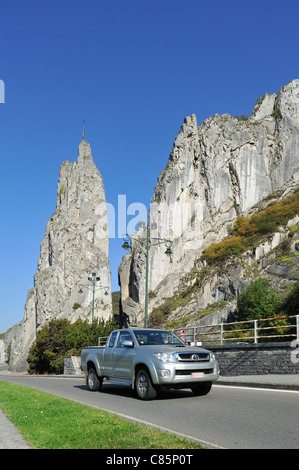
(50, 422)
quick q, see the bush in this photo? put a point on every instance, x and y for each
(76, 306)
(81, 334)
(290, 305)
(46, 353)
(232, 246)
(59, 338)
(257, 302)
(277, 113)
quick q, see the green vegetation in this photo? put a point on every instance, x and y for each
(210, 309)
(76, 306)
(115, 302)
(277, 114)
(290, 305)
(259, 302)
(160, 313)
(50, 422)
(242, 117)
(260, 99)
(59, 338)
(248, 232)
(217, 252)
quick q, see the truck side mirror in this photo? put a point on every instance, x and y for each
(127, 344)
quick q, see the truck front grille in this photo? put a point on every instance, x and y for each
(194, 357)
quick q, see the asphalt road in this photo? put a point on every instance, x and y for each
(228, 417)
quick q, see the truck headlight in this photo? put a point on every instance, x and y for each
(166, 357)
(212, 356)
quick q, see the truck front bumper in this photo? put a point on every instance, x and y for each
(181, 375)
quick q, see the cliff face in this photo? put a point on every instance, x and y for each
(215, 172)
(75, 246)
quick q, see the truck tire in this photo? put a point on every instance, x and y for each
(202, 389)
(93, 381)
(144, 387)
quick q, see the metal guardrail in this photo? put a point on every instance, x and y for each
(102, 340)
(281, 327)
(284, 327)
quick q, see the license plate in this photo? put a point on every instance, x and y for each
(197, 375)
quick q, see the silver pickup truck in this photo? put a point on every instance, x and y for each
(150, 360)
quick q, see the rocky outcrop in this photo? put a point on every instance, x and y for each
(75, 246)
(225, 168)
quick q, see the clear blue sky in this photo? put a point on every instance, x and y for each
(133, 70)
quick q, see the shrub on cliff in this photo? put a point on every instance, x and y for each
(247, 232)
(217, 252)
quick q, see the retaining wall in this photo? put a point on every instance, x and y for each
(72, 365)
(254, 359)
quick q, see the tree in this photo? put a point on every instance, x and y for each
(257, 302)
(59, 338)
(47, 352)
(290, 306)
(81, 334)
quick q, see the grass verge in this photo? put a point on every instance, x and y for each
(50, 422)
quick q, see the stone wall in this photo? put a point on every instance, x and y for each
(72, 365)
(255, 359)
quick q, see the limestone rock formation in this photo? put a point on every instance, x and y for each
(75, 246)
(215, 172)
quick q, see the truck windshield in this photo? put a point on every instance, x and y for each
(147, 337)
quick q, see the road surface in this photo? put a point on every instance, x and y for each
(228, 417)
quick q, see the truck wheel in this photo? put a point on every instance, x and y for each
(144, 387)
(93, 381)
(202, 389)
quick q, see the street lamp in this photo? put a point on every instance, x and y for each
(93, 278)
(147, 242)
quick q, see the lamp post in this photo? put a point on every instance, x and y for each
(93, 278)
(147, 242)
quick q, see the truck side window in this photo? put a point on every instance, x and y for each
(112, 339)
(123, 337)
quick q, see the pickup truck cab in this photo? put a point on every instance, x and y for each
(149, 360)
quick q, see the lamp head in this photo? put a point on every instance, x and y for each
(126, 246)
(168, 251)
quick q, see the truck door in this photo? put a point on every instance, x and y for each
(122, 358)
(109, 353)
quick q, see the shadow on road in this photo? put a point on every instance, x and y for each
(124, 390)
